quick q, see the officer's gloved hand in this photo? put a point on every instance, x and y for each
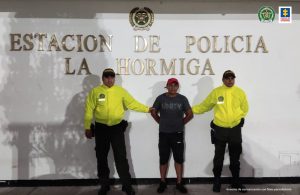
(89, 134)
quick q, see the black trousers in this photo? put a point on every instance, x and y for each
(114, 136)
(232, 137)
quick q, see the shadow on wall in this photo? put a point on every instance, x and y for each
(246, 168)
(284, 164)
(157, 89)
(298, 91)
(45, 143)
(119, 82)
(201, 122)
(299, 98)
(60, 148)
(204, 86)
(251, 164)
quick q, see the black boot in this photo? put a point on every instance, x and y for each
(217, 184)
(162, 187)
(103, 190)
(236, 184)
(128, 190)
(181, 188)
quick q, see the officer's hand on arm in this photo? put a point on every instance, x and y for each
(150, 109)
(88, 134)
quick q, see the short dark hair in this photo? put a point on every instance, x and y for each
(108, 72)
(228, 73)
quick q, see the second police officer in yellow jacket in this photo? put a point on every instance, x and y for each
(230, 107)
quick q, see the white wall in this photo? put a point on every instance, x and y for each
(41, 108)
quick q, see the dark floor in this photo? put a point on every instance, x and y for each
(205, 189)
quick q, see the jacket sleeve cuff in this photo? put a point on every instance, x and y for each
(87, 125)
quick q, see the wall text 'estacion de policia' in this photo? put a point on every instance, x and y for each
(44, 42)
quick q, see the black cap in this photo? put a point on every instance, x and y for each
(108, 72)
(228, 73)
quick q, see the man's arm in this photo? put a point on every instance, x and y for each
(155, 115)
(188, 116)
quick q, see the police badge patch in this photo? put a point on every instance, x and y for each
(101, 97)
(220, 100)
(141, 18)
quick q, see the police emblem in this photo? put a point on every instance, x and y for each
(266, 14)
(101, 96)
(141, 18)
(220, 100)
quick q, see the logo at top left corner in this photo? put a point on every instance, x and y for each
(141, 18)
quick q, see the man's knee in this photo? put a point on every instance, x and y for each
(179, 159)
(163, 160)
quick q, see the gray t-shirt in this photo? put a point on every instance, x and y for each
(171, 111)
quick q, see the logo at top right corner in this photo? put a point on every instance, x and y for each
(285, 14)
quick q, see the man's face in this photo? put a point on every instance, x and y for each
(172, 88)
(109, 81)
(228, 81)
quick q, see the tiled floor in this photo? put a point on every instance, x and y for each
(193, 189)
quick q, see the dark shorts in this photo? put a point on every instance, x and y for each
(171, 142)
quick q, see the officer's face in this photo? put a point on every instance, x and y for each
(229, 81)
(108, 81)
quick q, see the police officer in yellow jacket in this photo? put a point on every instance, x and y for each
(230, 108)
(106, 105)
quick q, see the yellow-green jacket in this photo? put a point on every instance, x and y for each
(229, 103)
(108, 105)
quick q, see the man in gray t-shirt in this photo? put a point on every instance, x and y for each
(172, 111)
